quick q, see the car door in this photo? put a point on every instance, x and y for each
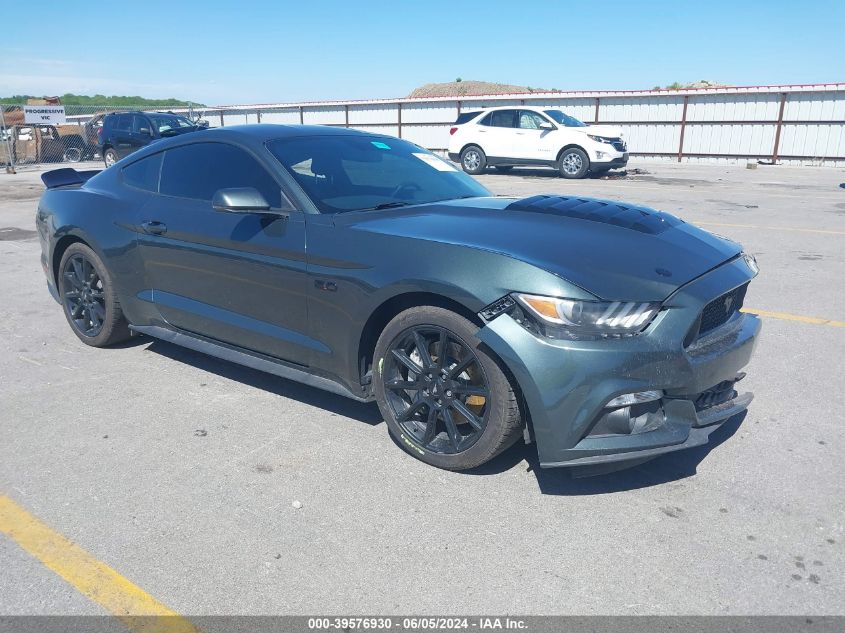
(140, 133)
(497, 133)
(533, 143)
(239, 278)
(121, 135)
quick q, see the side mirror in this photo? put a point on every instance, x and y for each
(545, 125)
(239, 200)
(202, 123)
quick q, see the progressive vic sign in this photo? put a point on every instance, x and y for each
(44, 114)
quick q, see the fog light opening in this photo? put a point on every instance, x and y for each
(630, 420)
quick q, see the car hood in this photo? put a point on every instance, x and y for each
(611, 131)
(178, 131)
(612, 250)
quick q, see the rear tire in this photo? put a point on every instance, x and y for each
(457, 387)
(89, 299)
(473, 160)
(573, 163)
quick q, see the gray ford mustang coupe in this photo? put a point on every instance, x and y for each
(367, 266)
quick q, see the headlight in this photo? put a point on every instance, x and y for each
(751, 261)
(600, 139)
(588, 320)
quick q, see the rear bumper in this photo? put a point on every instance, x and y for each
(567, 384)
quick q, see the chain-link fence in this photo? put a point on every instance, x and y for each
(799, 125)
(25, 144)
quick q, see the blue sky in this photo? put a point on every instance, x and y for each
(264, 51)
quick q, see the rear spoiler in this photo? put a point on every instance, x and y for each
(66, 177)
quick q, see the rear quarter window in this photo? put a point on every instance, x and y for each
(144, 174)
(464, 117)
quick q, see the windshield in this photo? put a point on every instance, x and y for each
(166, 122)
(348, 173)
(565, 119)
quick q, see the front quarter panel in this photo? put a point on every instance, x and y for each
(370, 268)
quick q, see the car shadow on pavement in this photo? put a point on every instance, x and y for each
(553, 174)
(561, 481)
(360, 411)
(551, 481)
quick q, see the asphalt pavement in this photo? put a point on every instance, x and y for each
(183, 473)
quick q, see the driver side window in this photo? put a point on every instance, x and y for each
(139, 122)
(529, 120)
(198, 170)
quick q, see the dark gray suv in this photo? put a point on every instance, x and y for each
(124, 132)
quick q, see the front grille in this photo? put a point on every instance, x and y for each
(718, 311)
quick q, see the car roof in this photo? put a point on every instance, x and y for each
(253, 135)
(512, 107)
(108, 114)
(271, 131)
(518, 107)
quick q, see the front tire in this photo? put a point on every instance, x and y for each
(473, 160)
(110, 157)
(89, 299)
(446, 401)
(573, 163)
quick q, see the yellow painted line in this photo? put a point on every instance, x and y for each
(772, 228)
(794, 317)
(94, 579)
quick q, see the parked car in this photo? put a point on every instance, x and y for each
(125, 132)
(369, 267)
(527, 136)
(33, 144)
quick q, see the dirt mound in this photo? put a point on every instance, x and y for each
(461, 88)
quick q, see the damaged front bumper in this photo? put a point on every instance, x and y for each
(567, 385)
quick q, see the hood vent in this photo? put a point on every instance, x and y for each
(640, 219)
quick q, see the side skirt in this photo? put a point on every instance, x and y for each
(520, 162)
(247, 359)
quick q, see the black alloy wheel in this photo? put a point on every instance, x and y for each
(437, 389)
(446, 400)
(89, 299)
(84, 295)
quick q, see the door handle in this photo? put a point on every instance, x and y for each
(153, 227)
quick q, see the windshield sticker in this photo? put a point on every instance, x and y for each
(380, 145)
(433, 161)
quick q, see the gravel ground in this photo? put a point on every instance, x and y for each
(221, 490)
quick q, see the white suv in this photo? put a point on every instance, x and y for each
(508, 136)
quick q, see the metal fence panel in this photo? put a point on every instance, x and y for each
(280, 117)
(656, 138)
(438, 112)
(372, 114)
